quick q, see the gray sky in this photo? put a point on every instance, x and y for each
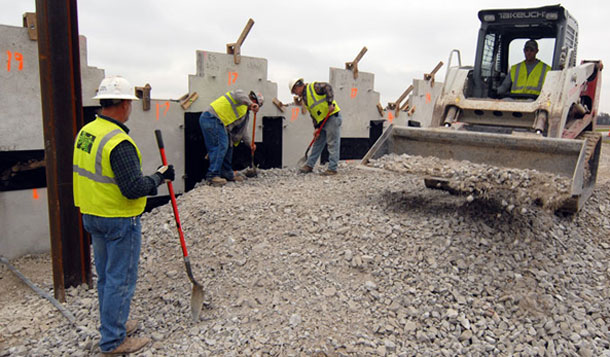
(154, 41)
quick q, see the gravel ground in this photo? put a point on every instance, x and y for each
(368, 262)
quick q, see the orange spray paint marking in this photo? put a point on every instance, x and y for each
(295, 114)
(232, 78)
(428, 98)
(166, 104)
(35, 194)
(390, 117)
(19, 58)
(354, 92)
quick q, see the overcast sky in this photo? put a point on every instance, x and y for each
(154, 41)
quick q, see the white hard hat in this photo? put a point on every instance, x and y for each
(293, 82)
(115, 87)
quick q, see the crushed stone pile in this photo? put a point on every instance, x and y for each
(512, 188)
(365, 263)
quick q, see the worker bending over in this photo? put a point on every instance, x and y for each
(319, 100)
(223, 125)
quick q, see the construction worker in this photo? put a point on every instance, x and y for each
(223, 125)
(526, 77)
(319, 100)
(111, 192)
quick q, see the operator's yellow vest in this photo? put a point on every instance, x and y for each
(524, 84)
(227, 109)
(317, 105)
(95, 188)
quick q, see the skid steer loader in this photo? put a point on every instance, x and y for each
(551, 132)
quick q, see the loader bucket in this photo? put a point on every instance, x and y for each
(565, 157)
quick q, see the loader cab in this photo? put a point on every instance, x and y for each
(500, 45)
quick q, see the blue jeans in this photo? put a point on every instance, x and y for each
(331, 136)
(220, 151)
(116, 246)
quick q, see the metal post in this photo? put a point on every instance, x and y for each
(60, 85)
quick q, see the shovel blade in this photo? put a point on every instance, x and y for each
(301, 162)
(197, 296)
(251, 171)
(197, 299)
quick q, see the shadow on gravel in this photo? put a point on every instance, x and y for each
(432, 203)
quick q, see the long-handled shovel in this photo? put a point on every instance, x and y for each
(251, 172)
(303, 160)
(197, 292)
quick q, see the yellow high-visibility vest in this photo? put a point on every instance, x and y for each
(227, 109)
(317, 105)
(95, 188)
(528, 84)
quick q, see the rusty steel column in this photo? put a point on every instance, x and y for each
(60, 85)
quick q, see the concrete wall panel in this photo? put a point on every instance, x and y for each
(216, 74)
(20, 108)
(423, 97)
(24, 222)
(168, 116)
(297, 134)
(357, 99)
(90, 76)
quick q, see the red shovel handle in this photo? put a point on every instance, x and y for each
(252, 147)
(317, 132)
(170, 187)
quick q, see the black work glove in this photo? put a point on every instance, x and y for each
(166, 173)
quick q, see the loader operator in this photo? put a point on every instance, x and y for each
(526, 77)
(319, 99)
(111, 192)
(223, 125)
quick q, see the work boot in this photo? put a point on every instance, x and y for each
(329, 173)
(217, 181)
(129, 345)
(131, 326)
(306, 169)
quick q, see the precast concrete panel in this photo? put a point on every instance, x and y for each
(24, 213)
(217, 74)
(357, 99)
(298, 132)
(20, 106)
(91, 77)
(167, 116)
(422, 99)
(24, 218)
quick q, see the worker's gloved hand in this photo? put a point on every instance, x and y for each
(166, 172)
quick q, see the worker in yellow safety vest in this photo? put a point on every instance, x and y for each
(223, 125)
(526, 77)
(321, 105)
(111, 191)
